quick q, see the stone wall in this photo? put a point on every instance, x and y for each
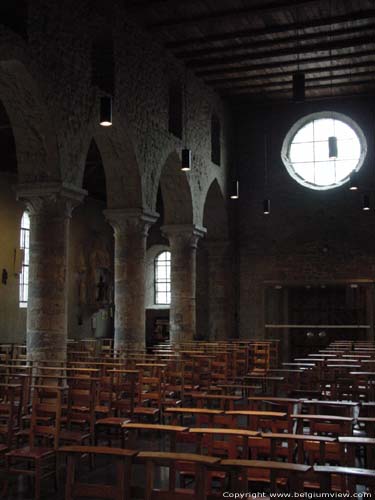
(13, 319)
(310, 236)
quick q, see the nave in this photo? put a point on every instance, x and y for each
(195, 420)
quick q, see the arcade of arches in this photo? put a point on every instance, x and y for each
(104, 202)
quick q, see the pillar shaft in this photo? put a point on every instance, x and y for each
(130, 230)
(50, 209)
(220, 295)
(183, 241)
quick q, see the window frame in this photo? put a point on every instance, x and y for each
(156, 281)
(299, 124)
(23, 286)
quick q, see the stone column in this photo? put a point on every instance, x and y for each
(220, 290)
(130, 230)
(183, 240)
(50, 207)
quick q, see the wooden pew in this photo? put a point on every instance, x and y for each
(119, 491)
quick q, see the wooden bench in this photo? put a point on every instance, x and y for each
(171, 430)
(199, 462)
(351, 475)
(119, 491)
(241, 471)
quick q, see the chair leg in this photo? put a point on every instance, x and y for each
(38, 480)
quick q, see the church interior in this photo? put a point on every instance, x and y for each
(187, 249)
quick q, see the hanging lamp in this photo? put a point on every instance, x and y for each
(332, 147)
(366, 202)
(186, 155)
(299, 80)
(266, 206)
(299, 87)
(105, 111)
(186, 160)
(234, 193)
(267, 201)
(353, 182)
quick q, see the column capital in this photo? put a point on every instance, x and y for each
(185, 233)
(130, 220)
(57, 198)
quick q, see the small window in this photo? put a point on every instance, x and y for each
(215, 140)
(175, 110)
(305, 151)
(25, 246)
(163, 278)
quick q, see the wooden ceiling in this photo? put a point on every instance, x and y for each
(253, 47)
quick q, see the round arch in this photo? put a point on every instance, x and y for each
(215, 217)
(35, 138)
(176, 192)
(123, 179)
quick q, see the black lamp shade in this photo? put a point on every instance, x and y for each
(266, 207)
(105, 111)
(353, 185)
(186, 160)
(299, 86)
(366, 202)
(332, 147)
(235, 190)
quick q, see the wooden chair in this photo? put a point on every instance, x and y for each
(276, 473)
(349, 477)
(10, 411)
(122, 463)
(156, 459)
(38, 460)
(80, 412)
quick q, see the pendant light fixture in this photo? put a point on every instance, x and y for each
(186, 160)
(186, 155)
(353, 182)
(299, 86)
(299, 80)
(365, 202)
(332, 140)
(332, 147)
(234, 193)
(105, 111)
(267, 201)
(266, 206)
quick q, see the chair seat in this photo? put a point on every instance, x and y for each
(102, 409)
(28, 452)
(112, 421)
(142, 410)
(3, 448)
(73, 436)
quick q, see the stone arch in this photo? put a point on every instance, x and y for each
(215, 314)
(215, 216)
(35, 138)
(123, 179)
(176, 192)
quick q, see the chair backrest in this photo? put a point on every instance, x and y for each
(45, 421)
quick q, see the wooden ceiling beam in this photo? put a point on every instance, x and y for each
(273, 30)
(277, 64)
(229, 14)
(305, 49)
(310, 87)
(289, 83)
(223, 82)
(259, 44)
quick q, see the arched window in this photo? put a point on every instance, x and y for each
(163, 278)
(307, 155)
(24, 245)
